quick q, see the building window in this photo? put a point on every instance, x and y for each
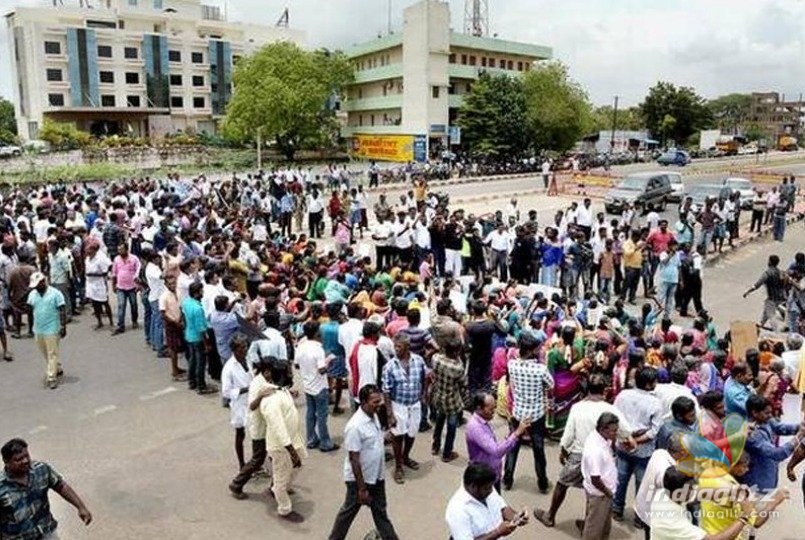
(107, 77)
(130, 53)
(519, 66)
(483, 61)
(198, 80)
(372, 120)
(52, 47)
(133, 3)
(197, 58)
(452, 58)
(121, 24)
(132, 78)
(104, 51)
(175, 56)
(108, 101)
(158, 4)
(463, 59)
(56, 100)
(102, 24)
(472, 60)
(177, 102)
(198, 102)
(491, 62)
(176, 80)
(133, 101)
(54, 75)
(360, 93)
(435, 92)
(511, 64)
(451, 90)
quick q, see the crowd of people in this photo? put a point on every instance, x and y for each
(456, 320)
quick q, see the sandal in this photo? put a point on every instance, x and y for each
(399, 476)
(411, 464)
(450, 457)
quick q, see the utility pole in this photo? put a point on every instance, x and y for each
(259, 149)
(614, 126)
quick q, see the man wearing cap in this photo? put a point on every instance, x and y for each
(50, 323)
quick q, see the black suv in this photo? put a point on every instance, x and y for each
(640, 189)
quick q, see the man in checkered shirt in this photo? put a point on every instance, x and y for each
(530, 381)
(405, 386)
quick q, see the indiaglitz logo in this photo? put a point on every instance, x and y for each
(715, 447)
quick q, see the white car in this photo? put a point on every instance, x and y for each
(744, 187)
(677, 187)
(10, 151)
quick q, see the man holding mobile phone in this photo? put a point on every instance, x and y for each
(477, 512)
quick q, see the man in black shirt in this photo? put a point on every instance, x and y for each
(776, 288)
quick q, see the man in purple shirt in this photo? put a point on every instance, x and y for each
(482, 445)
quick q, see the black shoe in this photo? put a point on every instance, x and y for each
(425, 427)
(117, 331)
(333, 448)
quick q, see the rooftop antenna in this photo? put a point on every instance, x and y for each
(284, 20)
(476, 17)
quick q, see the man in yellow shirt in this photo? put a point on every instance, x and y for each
(284, 440)
(633, 264)
(719, 493)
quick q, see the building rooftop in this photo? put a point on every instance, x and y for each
(500, 46)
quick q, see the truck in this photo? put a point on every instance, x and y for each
(729, 144)
(787, 143)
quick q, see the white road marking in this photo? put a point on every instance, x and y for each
(158, 393)
(37, 429)
(103, 410)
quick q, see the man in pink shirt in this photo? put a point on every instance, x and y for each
(658, 241)
(400, 320)
(125, 269)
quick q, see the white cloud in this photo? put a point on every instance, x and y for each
(611, 46)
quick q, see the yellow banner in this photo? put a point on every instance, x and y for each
(398, 148)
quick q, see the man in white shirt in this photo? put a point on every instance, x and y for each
(668, 392)
(581, 421)
(660, 461)
(476, 510)
(273, 344)
(600, 472)
(402, 238)
(421, 240)
(156, 286)
(351, 331)
(364, 467)
(585, 219)
(500, 242)
(383, 235)
(315, 213)
(313, 368)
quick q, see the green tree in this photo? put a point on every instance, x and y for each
(491, 117)
(8, 122)
(558, 111)
(755, 132)
(63, 135)
(687, 110)
(730, 112)
(628, 118)
(281, 94)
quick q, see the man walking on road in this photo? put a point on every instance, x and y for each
(363, 468)
(405, 387)
(50, 324)
(774, 280)
(24, 485)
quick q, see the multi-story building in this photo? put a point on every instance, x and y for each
(774, 115)
(137, 67)
(409, 86)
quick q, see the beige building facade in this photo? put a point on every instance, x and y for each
(409, 85)
(129, 67)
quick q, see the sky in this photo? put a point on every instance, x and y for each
(612, 47)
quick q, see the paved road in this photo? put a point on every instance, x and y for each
(152, 459)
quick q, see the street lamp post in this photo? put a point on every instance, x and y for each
(614, 126)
